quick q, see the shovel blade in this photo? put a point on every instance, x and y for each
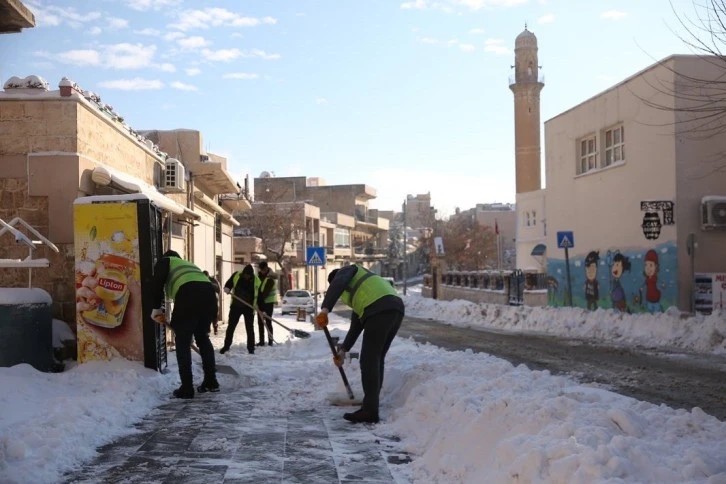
(227, 370)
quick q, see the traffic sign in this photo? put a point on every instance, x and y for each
(565, 240)
(315, 256)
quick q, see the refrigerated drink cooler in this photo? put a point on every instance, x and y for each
(118, 240)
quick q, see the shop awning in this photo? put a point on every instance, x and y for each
(539, 249)
(105, 176)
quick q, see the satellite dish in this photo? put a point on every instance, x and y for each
(265, 174)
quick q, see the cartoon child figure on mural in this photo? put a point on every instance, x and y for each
(592, 290)
(620, 264)
(652, 293)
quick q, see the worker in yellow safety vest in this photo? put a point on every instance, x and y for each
(377, 313)
(266, 299)
(243, 285)
(192, 293)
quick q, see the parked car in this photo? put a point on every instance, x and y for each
(297, 298)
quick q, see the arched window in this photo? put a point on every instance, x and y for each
(528, 219)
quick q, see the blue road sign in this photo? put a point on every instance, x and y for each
(315, 256)
(565, 240)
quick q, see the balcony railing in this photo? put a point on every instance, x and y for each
(540, 79)
(369, 219)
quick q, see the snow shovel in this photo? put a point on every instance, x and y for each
(336, 399)
(296, 332)
(226, 369)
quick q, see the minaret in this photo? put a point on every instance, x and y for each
(526, 87)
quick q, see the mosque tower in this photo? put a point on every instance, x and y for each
(526, 86)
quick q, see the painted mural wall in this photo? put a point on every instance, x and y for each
(628, 279)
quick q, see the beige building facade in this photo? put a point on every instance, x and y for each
(637, 190)
(343, 224)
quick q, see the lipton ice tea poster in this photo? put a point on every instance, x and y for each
(108, 291)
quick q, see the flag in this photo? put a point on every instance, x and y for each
(496, 227)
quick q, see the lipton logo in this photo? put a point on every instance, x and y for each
(110, 284)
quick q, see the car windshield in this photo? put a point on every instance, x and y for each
(297, 294)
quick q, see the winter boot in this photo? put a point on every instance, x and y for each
(208, 385)
(224, 350)
(361, 416)
(183, 392)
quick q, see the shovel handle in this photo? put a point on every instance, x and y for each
(340, 368)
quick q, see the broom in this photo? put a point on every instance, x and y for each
(296, 332)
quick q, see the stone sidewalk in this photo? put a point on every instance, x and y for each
(222, 437)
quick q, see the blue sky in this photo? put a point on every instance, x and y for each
(407, 96)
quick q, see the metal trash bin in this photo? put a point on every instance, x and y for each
(26, 328)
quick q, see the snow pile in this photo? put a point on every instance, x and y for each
(669, 330)
(50, 422)
(474, 418)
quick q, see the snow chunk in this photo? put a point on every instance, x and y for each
(18, 296)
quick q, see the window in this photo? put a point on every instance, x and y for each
(342, 238)
(534, 217)
(588, 155)
(528, 220)
(614, 145)
(218, 228)
(177, 229)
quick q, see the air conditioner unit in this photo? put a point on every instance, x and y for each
(174, 176)
(713, 212)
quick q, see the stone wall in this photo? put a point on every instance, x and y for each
(58, 279)
(449, 293)
(32, 126)
(100, 140)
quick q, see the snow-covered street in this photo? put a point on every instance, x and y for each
(459, 416)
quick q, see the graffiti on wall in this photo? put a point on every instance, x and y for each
(652, 218)
(631, 281)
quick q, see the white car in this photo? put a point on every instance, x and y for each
(297, 298)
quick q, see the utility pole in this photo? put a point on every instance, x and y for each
(405, 251)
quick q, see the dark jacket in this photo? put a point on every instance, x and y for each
(245, 288)
(335, 290)
(215, 284)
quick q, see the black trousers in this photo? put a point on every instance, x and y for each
(378, 333)
(190, 319)
(265, 308)
(234, 314)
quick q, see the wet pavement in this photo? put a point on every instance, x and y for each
(222, 437)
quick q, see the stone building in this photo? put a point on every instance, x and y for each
(58, 145)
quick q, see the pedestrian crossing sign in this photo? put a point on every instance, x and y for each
(315, 256)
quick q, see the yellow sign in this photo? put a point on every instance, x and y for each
(108, 289)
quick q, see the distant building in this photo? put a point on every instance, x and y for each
(500, 218)
(360, 234)
(419, 212)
